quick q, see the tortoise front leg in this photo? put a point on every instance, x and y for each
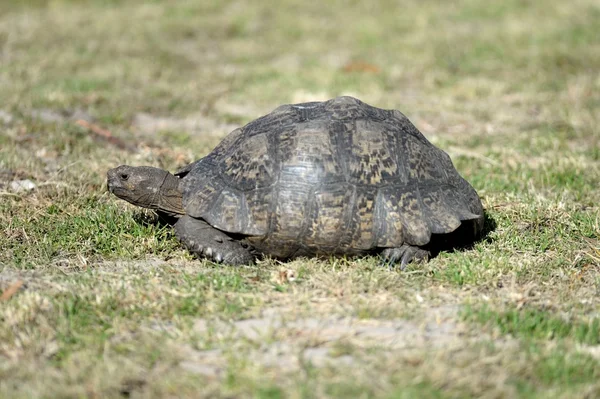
(205, 241)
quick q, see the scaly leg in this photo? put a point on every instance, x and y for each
(205, 241)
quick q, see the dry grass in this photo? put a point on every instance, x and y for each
(98, 300)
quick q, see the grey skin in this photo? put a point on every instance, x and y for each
(157, 189)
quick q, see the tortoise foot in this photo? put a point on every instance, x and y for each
(404, 254)
(205, 241)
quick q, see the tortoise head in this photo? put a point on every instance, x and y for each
(147, 187)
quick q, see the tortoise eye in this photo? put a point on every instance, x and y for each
(124, 176)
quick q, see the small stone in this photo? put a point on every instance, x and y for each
(22, 185)
(5, 117)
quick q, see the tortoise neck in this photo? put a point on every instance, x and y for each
(170, 199)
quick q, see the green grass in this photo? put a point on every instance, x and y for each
(96, 230)
(110, 304)
(537, 325)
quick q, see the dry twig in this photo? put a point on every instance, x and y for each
(11, 290)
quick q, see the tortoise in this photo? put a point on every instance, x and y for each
(338, 177)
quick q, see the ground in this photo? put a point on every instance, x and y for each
(97, 299)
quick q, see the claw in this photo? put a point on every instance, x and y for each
(405, 254)
(406, 258)
(391, 256)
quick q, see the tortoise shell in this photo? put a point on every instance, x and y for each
(338, 176)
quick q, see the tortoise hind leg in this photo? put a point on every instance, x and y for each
(403, 254)
(205, 241)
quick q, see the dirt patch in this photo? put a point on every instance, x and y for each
(286, 344)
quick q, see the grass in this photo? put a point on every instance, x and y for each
(537, 325)
(100, 300)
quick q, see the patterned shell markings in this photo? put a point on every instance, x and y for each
(232, 187)
(334, 176)
(435, 199)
